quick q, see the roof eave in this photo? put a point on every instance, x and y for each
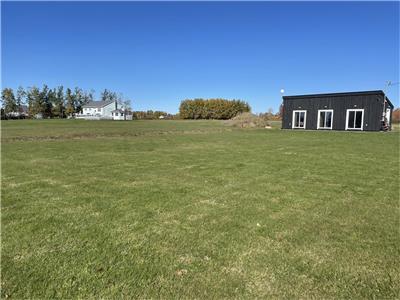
(390, 103)
(333, 94)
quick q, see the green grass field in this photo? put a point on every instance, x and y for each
(197, 209)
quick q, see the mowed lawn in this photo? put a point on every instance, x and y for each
(197, 209)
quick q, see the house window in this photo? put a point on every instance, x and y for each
(116, 114)
(354, 119)
(99, 109)
(325, 119)
(299, 119)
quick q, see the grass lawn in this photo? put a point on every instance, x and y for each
(196, 209)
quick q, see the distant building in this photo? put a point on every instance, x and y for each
(21, 113)
(104, 110)
(97, 110)
(359, 111)
(120, 114)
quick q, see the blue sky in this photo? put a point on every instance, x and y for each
(159, 53)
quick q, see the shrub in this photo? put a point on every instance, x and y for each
(220, 109)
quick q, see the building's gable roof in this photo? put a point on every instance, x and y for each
(98, 104)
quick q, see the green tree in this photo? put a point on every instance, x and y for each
(126, 104)
(21, 97)
(70, 106)
(88, 97)
(45, 102)
(59, 102)
(9, 102)
(281, 111)
(34, 101)
(212, 108)
(78, 96)
(107, 95)
(52, 99)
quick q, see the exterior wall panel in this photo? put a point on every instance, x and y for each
(372, 103)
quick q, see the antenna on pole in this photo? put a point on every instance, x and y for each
(391, 83)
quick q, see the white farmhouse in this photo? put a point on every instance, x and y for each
(96, 110)
(20, 113)
(103, 110)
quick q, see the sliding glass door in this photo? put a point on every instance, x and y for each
(299, 119)
(354, 119)
(325, 119)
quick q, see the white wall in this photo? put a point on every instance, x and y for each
(106, 110)
(91, 111)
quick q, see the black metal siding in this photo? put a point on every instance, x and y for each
(371, 103)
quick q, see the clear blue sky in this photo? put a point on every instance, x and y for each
(159, 53)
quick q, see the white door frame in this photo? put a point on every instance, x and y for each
(319, 113)
(347, 118)
(305, 119)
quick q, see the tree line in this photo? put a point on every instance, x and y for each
(221, 109)
(152, 115)
(52, 102)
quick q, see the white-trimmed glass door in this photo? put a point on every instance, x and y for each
(325, 119)
(299, 119)
(354, 119)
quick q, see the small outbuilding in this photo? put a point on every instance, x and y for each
(361, 111)
(120, 114)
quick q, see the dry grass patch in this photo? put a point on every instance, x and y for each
(249, 120)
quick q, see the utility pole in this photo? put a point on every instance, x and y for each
(283, 108)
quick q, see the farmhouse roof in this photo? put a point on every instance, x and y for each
(98, 104)
(376, 92)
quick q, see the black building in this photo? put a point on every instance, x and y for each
(367, 111)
